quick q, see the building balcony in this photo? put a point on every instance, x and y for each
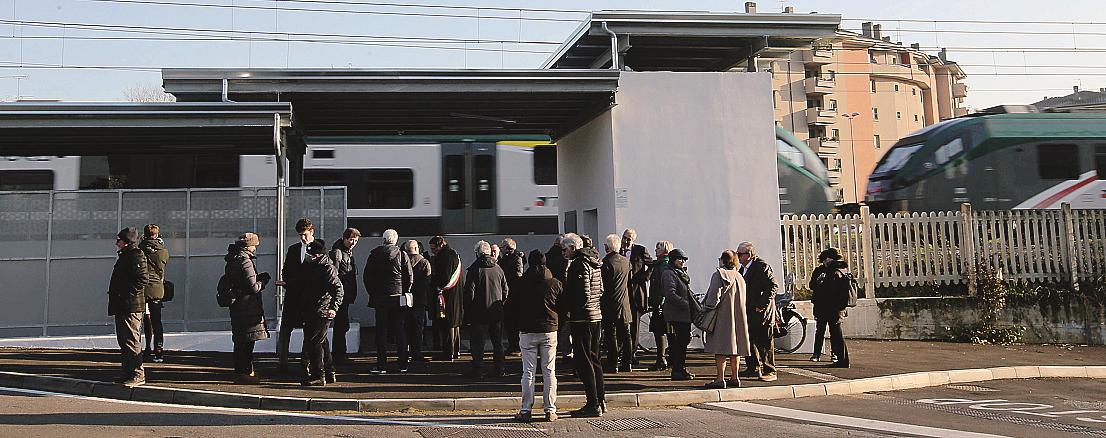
(959, 90)
(960, 112)
(818, 86)
(900, 72)
(823, 146)
(818, 56)
(820, 116)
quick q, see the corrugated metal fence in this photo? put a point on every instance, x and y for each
(905, 249)
(57, 250)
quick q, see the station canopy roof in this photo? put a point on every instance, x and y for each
(362, 102)
(694, 41)
(111, 128)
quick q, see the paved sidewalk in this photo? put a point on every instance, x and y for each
(209, 371)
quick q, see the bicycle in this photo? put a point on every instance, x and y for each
(788, 319)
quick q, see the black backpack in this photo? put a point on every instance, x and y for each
(224, 291)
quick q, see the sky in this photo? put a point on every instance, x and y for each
(1007, 63)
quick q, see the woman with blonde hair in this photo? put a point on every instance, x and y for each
(730, 337)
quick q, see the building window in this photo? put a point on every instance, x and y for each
(915, 117)
(875, 113)
(775, 99)
(26, 179)
(876, 138)
(896, 87)
(872, 57)
(835, 135)
(873, 86)
(1058, 161)
(830, 75)
(898, 115)
(368, 188)
(836, 164)
(833, 104)
(812, 73)
(545, 165)
(913, 91)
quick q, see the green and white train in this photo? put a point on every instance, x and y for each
(995, 162)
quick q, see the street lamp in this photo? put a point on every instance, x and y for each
(852, 151)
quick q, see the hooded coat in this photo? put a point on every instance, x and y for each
(583, 287)
(324, 289)
(830, 287)
(536, 301)
(730, 336)
(127, 289)
(485, 289)
(156, 259)
(342, 258)
(677, 295)
(247, 313)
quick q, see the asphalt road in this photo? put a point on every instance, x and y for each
(1018, 408)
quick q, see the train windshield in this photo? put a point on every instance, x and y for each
(897, 158)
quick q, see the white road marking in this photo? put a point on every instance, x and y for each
(849, 422)
(275, 413)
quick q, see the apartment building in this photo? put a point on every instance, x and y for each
(851, 99)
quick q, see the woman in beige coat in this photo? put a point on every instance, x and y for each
(730, 337)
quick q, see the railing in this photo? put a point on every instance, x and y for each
(907, 249)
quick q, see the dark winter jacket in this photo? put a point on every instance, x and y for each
(387, 275)
(484, 291)
(127, 289)
(555, 261)
(677, 294)
(156, 259)
(656, 289)
(513, 264)
(583, 287)
(247, 313)
(342, 258)
(446, 263)
(830, 286)
(760, 292)
(616, 292)
(294, 286)
(420, 283)
(537, 301)
(640, 262)
(324, 288)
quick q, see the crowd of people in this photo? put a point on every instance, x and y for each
(573, 298)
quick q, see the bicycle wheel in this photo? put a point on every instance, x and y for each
(796, 329)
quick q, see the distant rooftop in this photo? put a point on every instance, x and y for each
(1076, 100)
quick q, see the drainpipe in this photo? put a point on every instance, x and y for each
(224, 93)
(614, 47)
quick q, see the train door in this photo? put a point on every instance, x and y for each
(468, 188)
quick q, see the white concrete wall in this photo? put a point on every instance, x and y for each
(695, 153)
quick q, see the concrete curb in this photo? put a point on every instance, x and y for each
(623, 400)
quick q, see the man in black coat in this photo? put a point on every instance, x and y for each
(616, 308)
(830, 283)
(583, 291)
(388, 281)
(640, 261)
(760, 309)
(322, 300)
(555, 260)
(292, 279)
(485, 289)
(513, 264)
(420, 295)
(341, 254)
(127, 303)
(448, 305)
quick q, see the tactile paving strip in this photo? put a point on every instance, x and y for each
(624, 424)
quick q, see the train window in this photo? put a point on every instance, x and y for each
(545, 165)
(949, 150)
(453, 177)
(368, 188)
(896, 158)
(322, 153)
(27, 179)
(484, 173)
(1058, 161)
(1100, 161)
(159, 171)
(791, 153)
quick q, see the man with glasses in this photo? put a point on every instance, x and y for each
(760, 308)
(640, 261)
(293, 279)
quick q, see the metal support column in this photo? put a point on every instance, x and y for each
(282, 186)
(49, 251)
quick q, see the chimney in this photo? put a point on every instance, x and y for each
(1102, 90)
(1075, 88)
(943, 55)
(866, 29)
(750, 7)
(877, 31)
(789, 9)
(916, 46)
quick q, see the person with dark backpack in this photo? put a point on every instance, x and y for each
(834, 292)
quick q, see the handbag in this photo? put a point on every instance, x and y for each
(170, 290)
(706, 318)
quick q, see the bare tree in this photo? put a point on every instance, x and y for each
(147, 93)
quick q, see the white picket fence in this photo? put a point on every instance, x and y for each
(905, 249)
